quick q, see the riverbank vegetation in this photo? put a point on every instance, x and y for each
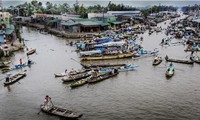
(29, 8)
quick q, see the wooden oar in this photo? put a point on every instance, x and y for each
(39, 111)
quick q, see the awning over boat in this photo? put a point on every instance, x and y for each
(92, 52)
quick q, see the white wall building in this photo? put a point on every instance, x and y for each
(98, 15)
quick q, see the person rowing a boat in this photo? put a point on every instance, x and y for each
(47, 103)
(171, 65)
(156, 58)
(7, 77)
(29, 61)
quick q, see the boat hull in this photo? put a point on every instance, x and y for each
(107, 57)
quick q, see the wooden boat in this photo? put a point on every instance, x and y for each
(157, 62)
(120, 69)
(75, 77)
(76, 72)
(170, 72)
(71, 73)
(107, 57)
(148, 54)
(78, 83)
(57, 111)
(4, 64)
(179, 61)
(127, 68)
(60, 74)
(15, 78)
(30, 52)
(101, 77)
(102, 65)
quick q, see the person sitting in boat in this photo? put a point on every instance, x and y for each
(29, 61)
(192, 58)
(156, 58)
(7, 77)
(142, 50)
(166, 57)
(163, 40)
(47, 103)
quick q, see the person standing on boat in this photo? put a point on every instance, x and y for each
(20, 61)
(47, 103)
(156, 58)
(171, 65)
(7, 77)
(66, 73)
(29, 61)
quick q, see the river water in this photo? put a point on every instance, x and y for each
(143, 94)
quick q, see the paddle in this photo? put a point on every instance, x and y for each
(39, 112)
(76, 61)
(51, 102)
(187, 56)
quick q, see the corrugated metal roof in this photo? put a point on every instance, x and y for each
(116, 23)
(69, 23)
(89, 23)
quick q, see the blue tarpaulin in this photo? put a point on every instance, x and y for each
(104, 40)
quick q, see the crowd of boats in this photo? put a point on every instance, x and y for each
(123, 43)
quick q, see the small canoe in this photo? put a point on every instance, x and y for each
(148, 54)
(76, 72)
(79, 83)
(75, 77)
(120, 69)
(157, 62)
(15, 78)
(30, 52)
(4, 64)
(71, 73)
(102, 77)
(170, 72)
(179, 61)
(127, 68)
(57, 111)
(60, 74)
